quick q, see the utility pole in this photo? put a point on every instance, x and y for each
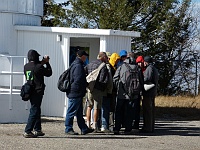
(196, 61)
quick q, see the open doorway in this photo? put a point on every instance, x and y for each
(73, 53)
(90, 45)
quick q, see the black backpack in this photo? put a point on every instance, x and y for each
(64, 81)
(26, 91)
(132, 84)
(28, 88)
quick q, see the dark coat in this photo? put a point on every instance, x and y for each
(151, 77)
(77, 79)
(39, 73)
(119, 79)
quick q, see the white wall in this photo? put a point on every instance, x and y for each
(19, 111)
(115, 43)
(33, 7)
(46, 43)
(17, 12)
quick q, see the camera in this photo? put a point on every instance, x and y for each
(46, 57)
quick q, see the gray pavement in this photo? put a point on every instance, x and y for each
(169, 135)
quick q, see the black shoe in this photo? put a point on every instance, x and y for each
(87, 131)
(38, 133)
(135, 127)
(116, 132)
(127, 132)
(145, 131)
(71, 133)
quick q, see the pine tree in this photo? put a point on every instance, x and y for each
(167, 30)
(54, 14)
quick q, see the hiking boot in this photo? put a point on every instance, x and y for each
(127, 132)
(38, 133)
(116, 132)
(71, 133)
(87, 131)
(29, 135)
(135, 127)
(145, 131)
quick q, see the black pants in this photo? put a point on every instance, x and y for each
(34, 119)
(136, 113)
(124, 114)
(148, 105)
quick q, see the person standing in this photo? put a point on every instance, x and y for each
(148, 102)
(75, 96)
(38, 71)
(136, 122)
(114, 59)
(123, 55)
(95, 97)
(125, 103)
(107, 103)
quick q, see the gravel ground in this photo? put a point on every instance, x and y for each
(169, 135)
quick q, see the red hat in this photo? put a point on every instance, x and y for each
(140, 59)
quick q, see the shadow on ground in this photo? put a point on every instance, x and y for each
(169, 121)
(177, 113)
(181, 128)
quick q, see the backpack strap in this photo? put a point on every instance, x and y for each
(127, 66)
(101, 66)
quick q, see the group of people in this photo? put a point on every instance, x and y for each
(108, 102)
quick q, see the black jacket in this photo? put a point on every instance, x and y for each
(77, 79)
(39, 72)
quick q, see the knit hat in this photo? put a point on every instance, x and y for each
(140, 59)
(148, 59)
(123, 53)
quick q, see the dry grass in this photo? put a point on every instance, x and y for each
(179, 108)
(178, 101)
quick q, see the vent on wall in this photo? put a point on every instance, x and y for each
(59, 38)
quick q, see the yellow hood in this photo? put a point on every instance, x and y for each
(113, 58)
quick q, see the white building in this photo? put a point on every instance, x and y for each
(20, 31)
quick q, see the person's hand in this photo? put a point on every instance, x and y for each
(45, 59)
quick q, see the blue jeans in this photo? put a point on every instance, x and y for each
(75, 108)
(34, 119)
(105, 112)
